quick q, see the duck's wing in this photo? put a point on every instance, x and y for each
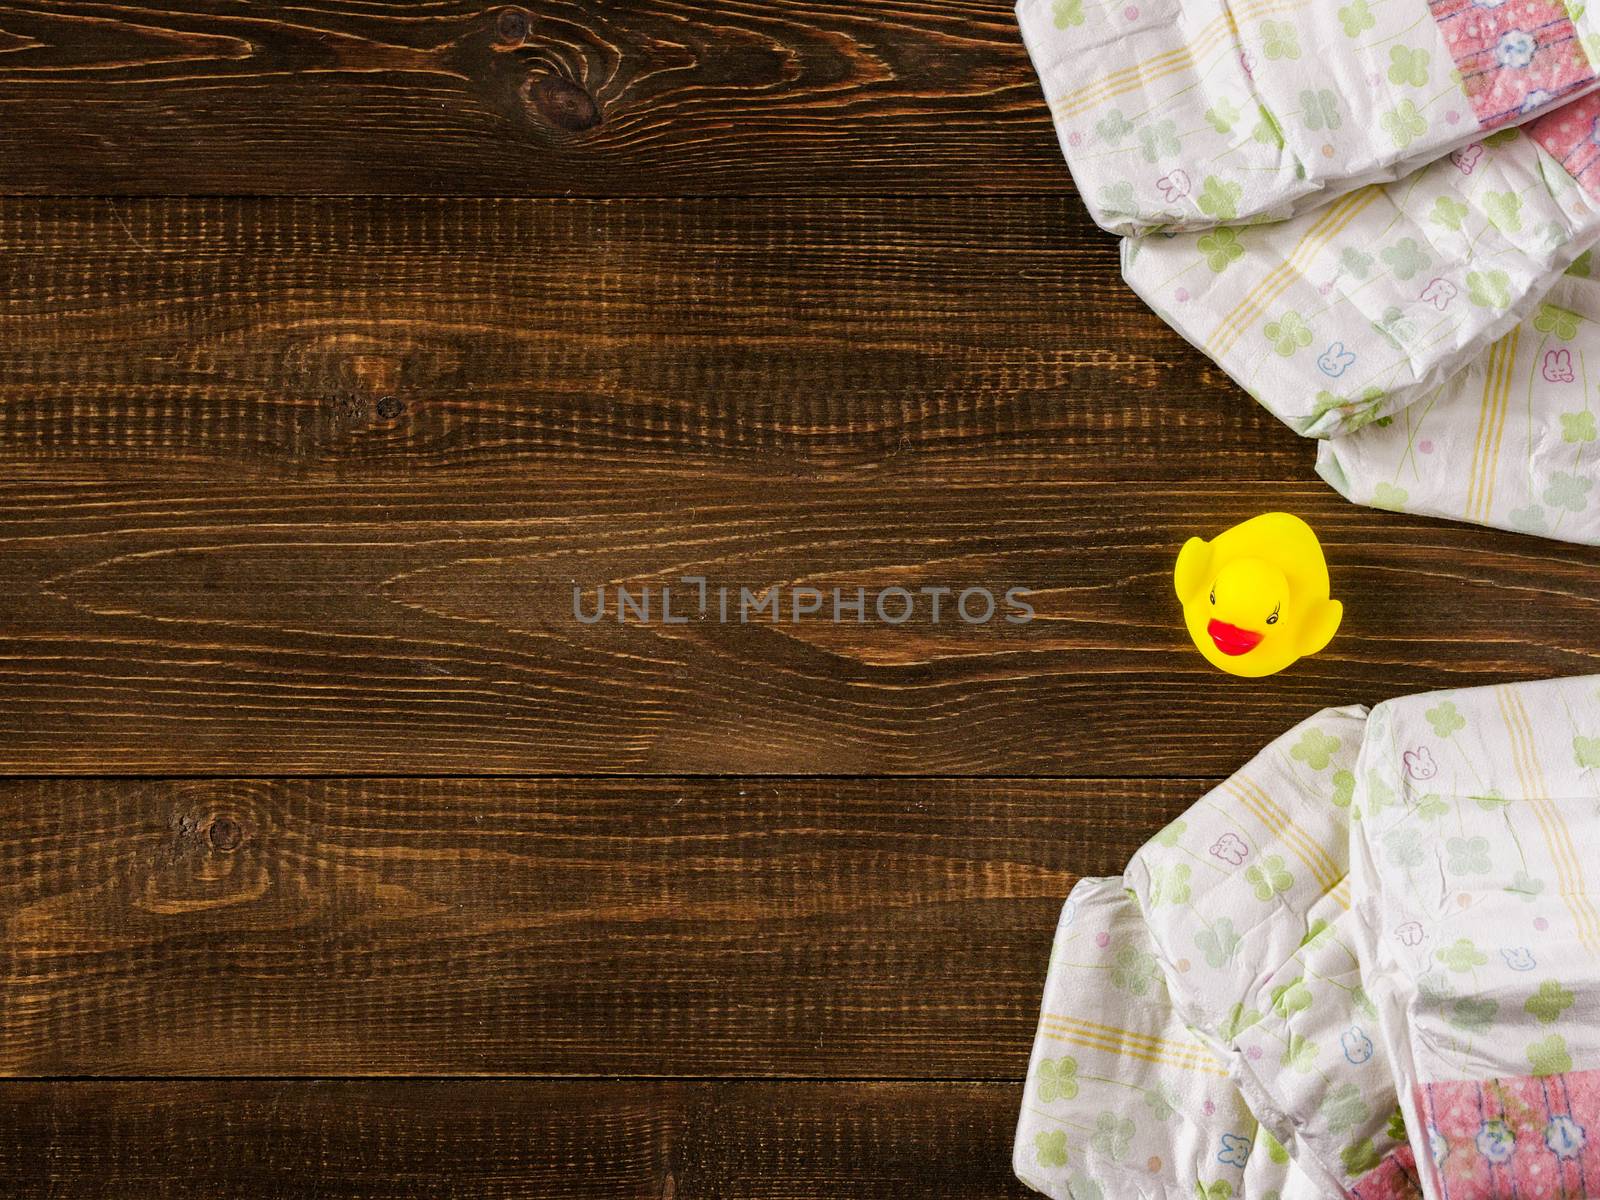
(1321, 624)
(1300, 554)
(1194, 565)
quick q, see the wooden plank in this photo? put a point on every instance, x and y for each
(793, 337)
(734, 927)
(567, 97)
(487, 1140)
(428, 626)
(304, 487)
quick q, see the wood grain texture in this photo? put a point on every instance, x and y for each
(426, 627)
(566, 97)
(797, 338)
(483, 1140)
(305, 487)
(732, 927)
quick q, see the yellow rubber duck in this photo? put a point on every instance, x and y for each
(1255, 598)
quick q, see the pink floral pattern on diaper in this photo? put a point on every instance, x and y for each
(1514, 56)
(1525, 1137)
(1395, 1178)
(1571, 135)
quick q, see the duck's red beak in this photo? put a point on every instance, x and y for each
(1232, 640)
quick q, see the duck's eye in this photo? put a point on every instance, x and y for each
(1273, 619)
(1213, 597)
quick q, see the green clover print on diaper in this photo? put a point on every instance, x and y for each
(1568, 491)
(1406, 258)
(1449, 213)
(1111, 1136)
(1578, 428)
(1318, 934)
(1112, 128)
(1219, 198)
(1549, 1056)
(1359, 1157)
(1067, 13)
(1316, 749)
(1134, 971)
(1239, 1019)
(1279, 40)
(1050, 1147)
(1221, 248)
(1300, 1054)
(1489, 289)
(1162, 1100)
(1218, 943)
(1472, 1014)
(1170, 833)
(1403, 848)
(1058, 1079)
(1169, 885)
(1504, 210)
(1344, 788)
(1269, 877)
(1408, 66)
(1343, 1109)
(1389, 496)
(1319, 109)
(1525, 887)
(1432, 807)
(1468, 856)
(1223, 115)
(1290, 998)
(1288, 334)
(1587, 751)
(1558, 321)
(1446, 719)
(1549, 1002)
(1356, 18)
(1462, 956)
(1159, 139)
(1404, 124)
(1267, 131)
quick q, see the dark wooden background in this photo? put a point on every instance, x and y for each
(337, 340)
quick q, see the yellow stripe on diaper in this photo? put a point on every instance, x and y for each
(1491, 426)
(1211, 37)
(1124, 1044)
(1499, 430)
(1575, 885)
(1290, 837)
(1319, 860)
(1558, 837)
(1334, 220)
(1294, 839)
(1491, 395)
(1128, 79)
(1187, 1049)
(1269, 815)
(1557, 834)
(1083, 1043)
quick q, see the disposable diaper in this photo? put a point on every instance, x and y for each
(1186, 114)
(1512, 440)
(1368, 964)
(1347, 315)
